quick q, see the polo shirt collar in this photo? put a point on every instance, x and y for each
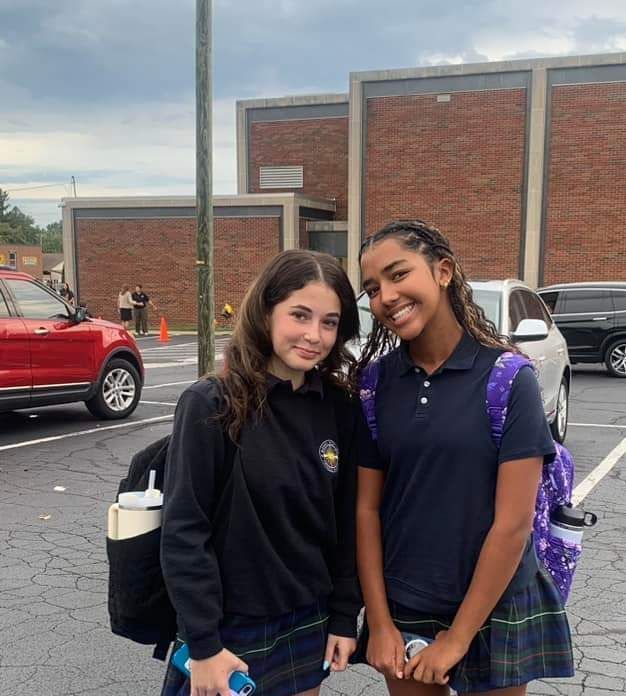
(463, 356)
(312, 383)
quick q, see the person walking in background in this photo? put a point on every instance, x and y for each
(66, 293)
(125, 305)
(140, 310)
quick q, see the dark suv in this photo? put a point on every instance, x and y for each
(592, 317)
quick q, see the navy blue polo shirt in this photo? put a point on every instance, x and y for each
(441, 465)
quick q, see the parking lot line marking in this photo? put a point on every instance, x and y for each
(157, 403)
(585, 487)
(53, 438)
(174, 345)
(169, 384)
(597, 425)
(180, 363)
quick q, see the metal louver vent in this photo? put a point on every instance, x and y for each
(281, 177)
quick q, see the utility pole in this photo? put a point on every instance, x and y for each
(74, 185)
(204, 192)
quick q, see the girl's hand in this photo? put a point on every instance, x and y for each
(210, 677)
(385, 651)
(338, 650)
(432, 664)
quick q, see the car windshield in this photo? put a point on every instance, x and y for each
(489, 300)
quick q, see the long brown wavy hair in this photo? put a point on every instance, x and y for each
(244, 379)
(422, 238)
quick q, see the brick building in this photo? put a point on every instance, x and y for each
(521, 163)
(151, 241)
(22, 257)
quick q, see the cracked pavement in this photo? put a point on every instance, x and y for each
(54, 633)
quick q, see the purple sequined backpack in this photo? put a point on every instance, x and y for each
(558, 556)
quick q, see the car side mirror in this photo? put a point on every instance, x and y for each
(80, 314)
(530, 330)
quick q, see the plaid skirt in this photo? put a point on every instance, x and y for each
(526, 637)
(284, 654)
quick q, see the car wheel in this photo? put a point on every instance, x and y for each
(615, 358)
(118, 392)
(559, 424)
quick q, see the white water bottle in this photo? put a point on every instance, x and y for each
(136, 512)
(569, 523)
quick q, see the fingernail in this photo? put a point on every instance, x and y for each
(326, 665)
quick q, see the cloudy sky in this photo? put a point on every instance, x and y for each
(103, 90)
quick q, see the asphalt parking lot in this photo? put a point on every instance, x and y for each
(54, 637)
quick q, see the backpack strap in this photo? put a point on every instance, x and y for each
(162, 647)
(499, 384)
(368, 380)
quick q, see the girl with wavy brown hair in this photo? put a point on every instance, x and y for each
(258, 545)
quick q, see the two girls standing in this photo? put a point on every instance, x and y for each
(258, 525)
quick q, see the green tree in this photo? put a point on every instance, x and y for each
(52, 238)
(18, 228)
(4, 206)
(25, 227)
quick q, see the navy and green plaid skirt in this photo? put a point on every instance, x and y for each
(284, 654)
(527, 637)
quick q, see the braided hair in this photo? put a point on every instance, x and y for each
(422, 238)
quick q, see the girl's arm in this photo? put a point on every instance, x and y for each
(503, 547)
(385, 651)
(498, 560)
(195, 458)
(526, 441)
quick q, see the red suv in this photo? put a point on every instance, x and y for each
(53, 353)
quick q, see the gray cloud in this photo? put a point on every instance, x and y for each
(142, 50)
(599, 34)
(105, 90)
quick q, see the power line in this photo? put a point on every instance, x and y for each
(33, 188)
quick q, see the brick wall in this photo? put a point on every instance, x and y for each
(29, 259)
(586, 212)
(458, 164)
(303, 234)
(319, 145)
(160, 254)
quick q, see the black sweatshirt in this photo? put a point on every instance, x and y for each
(261, 529)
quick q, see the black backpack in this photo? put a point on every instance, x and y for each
(139, 606)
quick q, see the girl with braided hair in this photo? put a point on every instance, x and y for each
(444, 516)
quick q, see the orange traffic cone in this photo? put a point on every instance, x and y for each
(164, 335)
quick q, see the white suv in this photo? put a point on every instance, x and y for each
(519, 313)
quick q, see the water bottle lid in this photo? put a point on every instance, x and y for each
(573, 517)
(138, 500)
